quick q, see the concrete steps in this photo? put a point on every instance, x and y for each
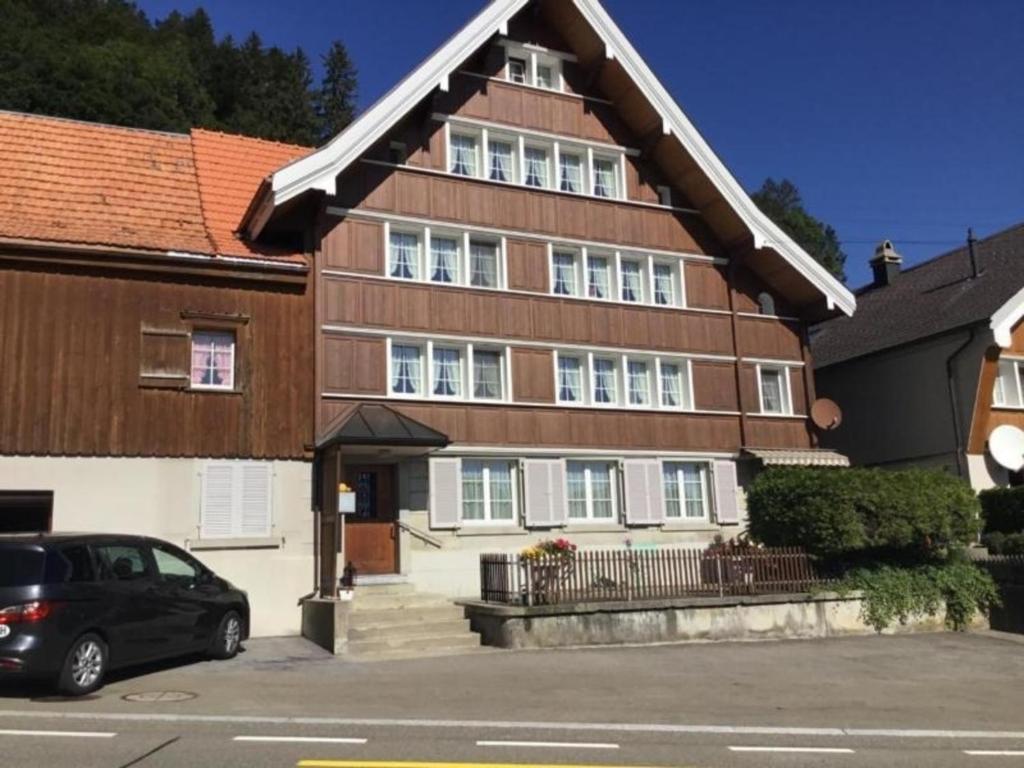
(394, 621)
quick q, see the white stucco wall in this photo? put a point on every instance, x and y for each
(161, 498)
(985, 473)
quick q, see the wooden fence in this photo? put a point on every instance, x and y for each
(639, 574)
(1005, 569)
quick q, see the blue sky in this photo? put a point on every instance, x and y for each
(895, 119)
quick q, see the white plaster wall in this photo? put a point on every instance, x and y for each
(985, 473)
(161, 498)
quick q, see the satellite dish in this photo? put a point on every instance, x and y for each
(826, 414)
(1006, 444)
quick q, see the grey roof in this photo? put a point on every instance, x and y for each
(933, 297)
(371, 424)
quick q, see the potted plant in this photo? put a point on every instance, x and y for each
(546, 564)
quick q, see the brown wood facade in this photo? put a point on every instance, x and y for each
(359, 305)
(987, 417)
(95, 362)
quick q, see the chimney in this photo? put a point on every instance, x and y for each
(885, 264)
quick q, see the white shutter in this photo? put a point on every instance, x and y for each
(254, 499)
(217, 515)
(545, 497)
(727, 510)
(645, 498)
(445, 481)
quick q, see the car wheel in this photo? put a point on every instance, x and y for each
(84, 667)
(228, 637)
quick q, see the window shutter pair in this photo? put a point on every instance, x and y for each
(236, 500)
(644, 492)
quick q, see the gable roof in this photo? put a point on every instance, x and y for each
(89, 184)
(319, 170)
(933, 297)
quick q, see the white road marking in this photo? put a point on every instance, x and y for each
(62, 734)
(553, 744)
(743, 730)
(813, 750)
(994, 753)
(301, 739)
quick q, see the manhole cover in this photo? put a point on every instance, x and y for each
(150, 696)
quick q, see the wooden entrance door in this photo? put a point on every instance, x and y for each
(371, 541)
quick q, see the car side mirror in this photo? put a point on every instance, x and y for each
(205, 578)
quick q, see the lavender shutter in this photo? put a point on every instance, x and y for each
(445, 481)
(545, 498)
(727, 510)
(645, 498)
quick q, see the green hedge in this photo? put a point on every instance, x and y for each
(1003, 510)
(1000, 543)
(838, 511)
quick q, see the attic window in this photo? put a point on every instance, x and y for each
(765, 303)
(517, 70)
(526, 66)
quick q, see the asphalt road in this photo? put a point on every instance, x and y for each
(923, 700)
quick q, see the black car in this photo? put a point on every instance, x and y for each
(73, 606)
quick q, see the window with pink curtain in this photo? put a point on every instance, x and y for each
(213, 359)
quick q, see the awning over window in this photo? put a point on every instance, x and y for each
(371, 424)
(807, 457)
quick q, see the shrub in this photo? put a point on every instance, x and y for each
(1002, 509)
(1004, 543)
(834, 512)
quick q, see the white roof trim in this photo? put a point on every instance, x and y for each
(320, 169)
(1005, 318)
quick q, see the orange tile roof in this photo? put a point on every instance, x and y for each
(85, 183)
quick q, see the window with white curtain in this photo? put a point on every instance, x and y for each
(404, 255)
(564, 280)
(488, 491)
(463, 154)
(599, 284)
(570, 172)
(638, 382)
(591, 490)
(488, 375)
(570, 379)
(447, 365)
(605, 381)
(500, 163)
(406, 369)
(483, 263)
(631, 279)
(604, 174)
(535, 167)
(773, 382)
(664, 280)
(675, 391)
(444, 259)
(1009, 384)
(685, 486)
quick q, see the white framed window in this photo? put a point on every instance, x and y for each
(488, 374)
(591, 488)
(447, 371)
(565, 273)
(501, 160)
(665, 287)
(605, 381)
(213, 360)
(605, 175)
(445, 257)
(516, 69)
(236, 500)
(484, 268)
(685, 488)
(463, 154)
(570, 172)
(535, 166)
(1008, 391)
(675, 385)
(488, 491)
(545, 76)
(774, 390)
(404, 255)
(631, 280)
(599, 276)
(638, 382)
(406, 376)
(528, 66)
(570, 378)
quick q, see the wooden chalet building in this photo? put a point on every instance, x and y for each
(519, 297)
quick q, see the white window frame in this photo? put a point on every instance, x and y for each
(620, 374)
(644, 277)
(579, 282)
(488, 519)
(468, 383)
(420, 235)
(534, 58)
(223, 387)
(617, 376)
(1017, 365)
(617, 174)
(425, 378)
(477, 143)
(613, 283)
(686, 389)
(463, 238)
(514, 158)
(585, 377)
(706, 500)
(676, 278)
(613, 482)
(786, 393)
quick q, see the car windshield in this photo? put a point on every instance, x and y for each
(20, 566)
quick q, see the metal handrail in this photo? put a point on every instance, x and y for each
(422, 535)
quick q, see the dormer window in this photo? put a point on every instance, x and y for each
(528, 65)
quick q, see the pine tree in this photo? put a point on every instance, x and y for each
(335, 102)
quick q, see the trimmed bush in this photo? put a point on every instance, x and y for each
(999, 543)
(835, 512)
(1002, 509)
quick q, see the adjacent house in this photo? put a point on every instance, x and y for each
(518, 297)
(156, 370)
(543, 307)
(933, 361)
